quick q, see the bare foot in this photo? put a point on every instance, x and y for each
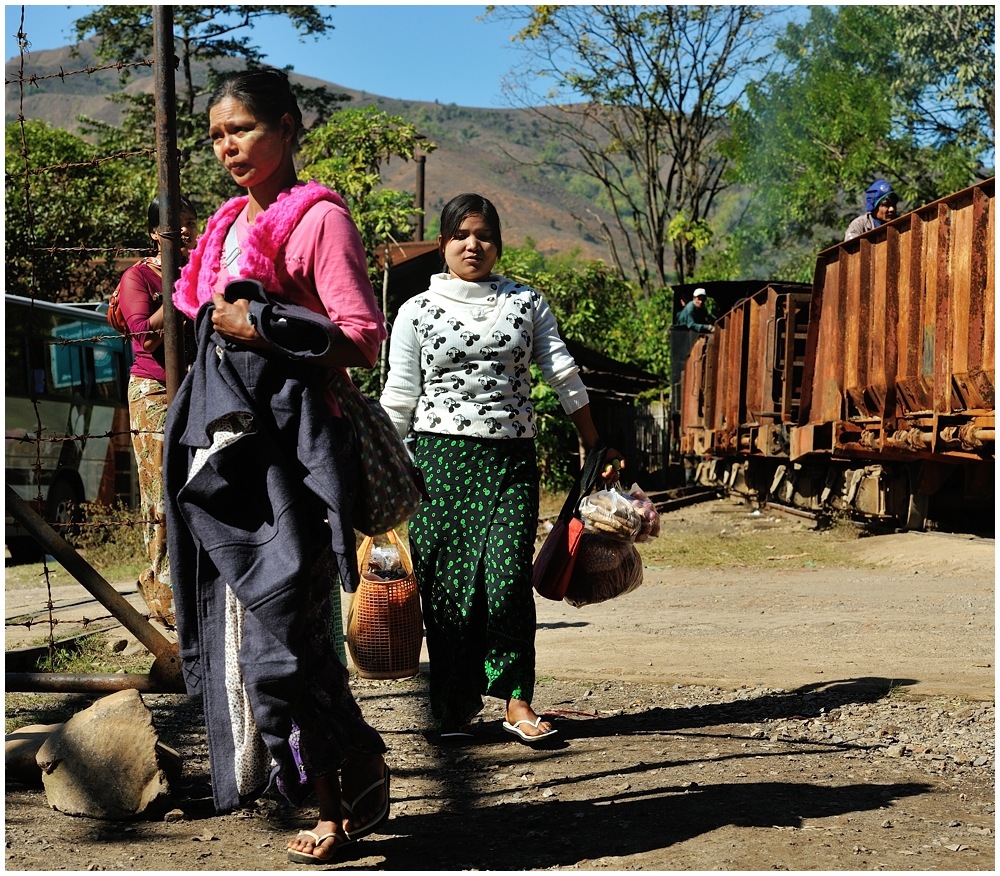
(520, 710)
(320, 844)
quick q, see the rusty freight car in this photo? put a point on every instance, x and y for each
(873, 395)
(739, 395)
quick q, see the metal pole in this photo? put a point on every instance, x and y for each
(65, 682)
(168, 173)
(167, 665)
(419, 196)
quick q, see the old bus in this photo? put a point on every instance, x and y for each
(66, 425)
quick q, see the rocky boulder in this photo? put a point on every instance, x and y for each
(104, 761)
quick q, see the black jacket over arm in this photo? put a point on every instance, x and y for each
(253, 517)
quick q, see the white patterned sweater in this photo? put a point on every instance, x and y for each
(459, 356)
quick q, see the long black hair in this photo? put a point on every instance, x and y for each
(153, 212)
(470, 204)
(265, 92)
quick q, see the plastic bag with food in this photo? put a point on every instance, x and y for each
(385, 564)
(649, 525)
(610, 513)
(617, 514)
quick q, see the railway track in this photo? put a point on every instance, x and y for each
(670, 500)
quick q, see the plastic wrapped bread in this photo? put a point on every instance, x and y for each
(618, 515)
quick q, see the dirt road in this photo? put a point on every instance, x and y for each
(731, 718)
(917, 611)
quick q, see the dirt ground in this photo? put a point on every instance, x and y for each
(743, 717)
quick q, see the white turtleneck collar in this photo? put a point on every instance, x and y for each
(462, 291)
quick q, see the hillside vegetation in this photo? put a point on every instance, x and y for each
(484, 150)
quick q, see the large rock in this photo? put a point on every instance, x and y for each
(103, 761)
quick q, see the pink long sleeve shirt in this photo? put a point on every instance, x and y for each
(318, 262)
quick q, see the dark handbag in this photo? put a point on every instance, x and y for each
(391, 486)
(553, 567)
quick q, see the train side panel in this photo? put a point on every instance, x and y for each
(746, 376)
(901, 346)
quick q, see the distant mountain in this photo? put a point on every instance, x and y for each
(471, 154)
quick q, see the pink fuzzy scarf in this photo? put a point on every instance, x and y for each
(267, 236)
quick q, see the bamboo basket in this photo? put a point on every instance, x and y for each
(384, 625)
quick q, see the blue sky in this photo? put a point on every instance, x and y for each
(412, 52)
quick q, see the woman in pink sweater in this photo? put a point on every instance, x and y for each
(299, 242)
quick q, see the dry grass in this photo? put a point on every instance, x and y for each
(724, 533)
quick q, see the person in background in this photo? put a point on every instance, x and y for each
(880, 204)
(459, 377)
(141, 305)
(694, 314)
(273, 478)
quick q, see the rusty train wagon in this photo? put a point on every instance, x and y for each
(739, 395)
(874, 397)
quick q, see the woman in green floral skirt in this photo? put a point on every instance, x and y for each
(459, 379)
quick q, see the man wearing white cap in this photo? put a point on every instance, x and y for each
(694, 315)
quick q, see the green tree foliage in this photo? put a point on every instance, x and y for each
(58, 197)
(209, 41)
(947, 56)
(347, 153)
(597, 307)
(866, 91)
(640, 94)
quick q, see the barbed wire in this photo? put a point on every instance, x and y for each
(85, 249)
(34, 78)
(74, 165)
(68, 342)
(84, 621)
(62, 439)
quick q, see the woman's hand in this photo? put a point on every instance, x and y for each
(154, 337)
(232, 320)
(614, 463)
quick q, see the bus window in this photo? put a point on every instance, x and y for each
(66, 410)
(15, 359)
